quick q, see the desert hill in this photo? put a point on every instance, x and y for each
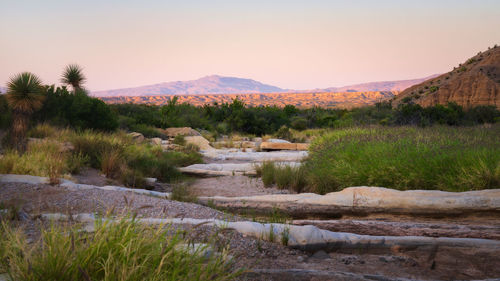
(213, 84)
(474, 82)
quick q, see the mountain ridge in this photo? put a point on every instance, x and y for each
(216, 84)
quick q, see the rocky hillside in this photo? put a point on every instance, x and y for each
(394, 86)
(474, 82)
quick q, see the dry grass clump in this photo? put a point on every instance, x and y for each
(115, 154)
(122, 250)
(43, 158)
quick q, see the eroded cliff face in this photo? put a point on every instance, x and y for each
(474, 82)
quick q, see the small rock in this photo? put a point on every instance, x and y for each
(137, 137)
(156, 141)
(321, 255)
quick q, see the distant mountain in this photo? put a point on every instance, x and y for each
(3, 90)
(474, 82)
(213, 84)
(394, 86)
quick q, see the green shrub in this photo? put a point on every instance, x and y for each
(266, 171)
(299, 123)
(42, 130)
(132, 178)
(147, 131)
(179, 140)
(284, 176)
(182, 192)
(284, 133)
(123, 250)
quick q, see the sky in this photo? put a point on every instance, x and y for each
(290, 44)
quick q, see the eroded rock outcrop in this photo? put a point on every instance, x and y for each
(474, 82)
(367, 200)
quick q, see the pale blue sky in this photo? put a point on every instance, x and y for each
(290, 44)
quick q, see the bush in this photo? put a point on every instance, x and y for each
(299, 123)
(76, 110)
(179, 140)
(284, 133)
(123, 250)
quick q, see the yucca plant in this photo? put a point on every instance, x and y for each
(24, 96)
(73, 75)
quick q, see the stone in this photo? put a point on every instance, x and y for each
(283, 146)
(156, 141)
(150, 181)
(215, 169)
(199, 141)
(137, 137)
(234, 154)
(320, 255)
(183, 131)
(277, 141)
(364, 199)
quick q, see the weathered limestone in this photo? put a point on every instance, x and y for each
(310, 238)
(156, 141)
(400, 228)
(200, 141)
(284, 146)
(365, 200)
(137, 137)
(183, 131)
(227, 169)
(283, 156)
(215, 169)
(71, 185)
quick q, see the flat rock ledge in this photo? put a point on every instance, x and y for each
(75, 186)
(228, 169)
(365, 200)
(308, 237)
(230, 154)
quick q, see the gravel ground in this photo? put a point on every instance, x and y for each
(232, 186)
(37, 199)
(254, 254)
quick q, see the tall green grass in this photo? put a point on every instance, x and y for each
(443, 158)
(284, 176)
(124, 250)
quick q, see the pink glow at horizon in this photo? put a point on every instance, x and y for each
(289, 44)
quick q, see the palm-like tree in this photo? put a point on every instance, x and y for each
(73, 75)
(24, 96)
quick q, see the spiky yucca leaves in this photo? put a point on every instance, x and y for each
(24, 96)
(73, 75)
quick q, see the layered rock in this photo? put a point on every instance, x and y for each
(475, 82)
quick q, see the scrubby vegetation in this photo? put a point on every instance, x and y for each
(63, 152)
(123, 250)
(235, 117)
